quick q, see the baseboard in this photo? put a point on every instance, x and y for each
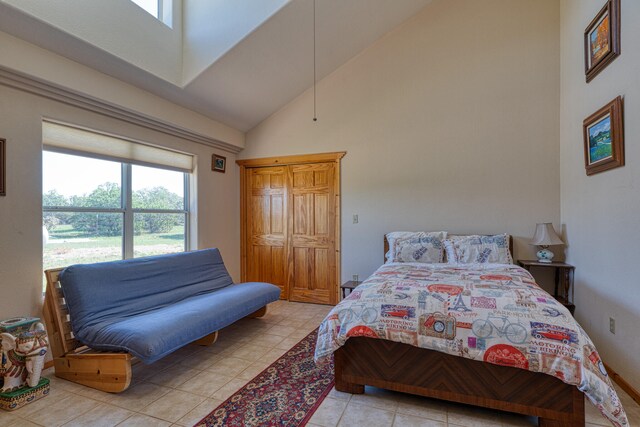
(628, 388)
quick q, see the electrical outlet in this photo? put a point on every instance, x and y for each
(612, 325)
(355, 218)
(355, 278)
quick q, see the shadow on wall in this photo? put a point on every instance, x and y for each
(590, 296)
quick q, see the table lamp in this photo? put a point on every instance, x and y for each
(544, 237)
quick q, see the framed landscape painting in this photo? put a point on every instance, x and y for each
(604, 139)
(602, 39)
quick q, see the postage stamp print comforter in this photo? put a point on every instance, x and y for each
(494, 313)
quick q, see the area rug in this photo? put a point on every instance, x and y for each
(287, 393)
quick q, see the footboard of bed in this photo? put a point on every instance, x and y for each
(404, 368)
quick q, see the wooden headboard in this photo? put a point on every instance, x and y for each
(386, 245)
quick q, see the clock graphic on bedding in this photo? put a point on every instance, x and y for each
(438, 326)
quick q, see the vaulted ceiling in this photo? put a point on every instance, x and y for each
(264, 60)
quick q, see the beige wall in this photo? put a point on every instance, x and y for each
(21, 117)
(601, 212)
(451, 121)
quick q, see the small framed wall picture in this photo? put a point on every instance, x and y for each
(3, 167)
(602, 39)
(218, 163)
(603, 134)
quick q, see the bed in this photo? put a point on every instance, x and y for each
(444, 348)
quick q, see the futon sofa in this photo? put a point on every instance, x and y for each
(150, 307)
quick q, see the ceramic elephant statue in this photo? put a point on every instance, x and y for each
(23, 358)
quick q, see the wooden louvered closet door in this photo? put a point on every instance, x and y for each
(291, 226)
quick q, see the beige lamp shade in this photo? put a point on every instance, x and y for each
(545, 235)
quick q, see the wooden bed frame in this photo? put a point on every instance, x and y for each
(405, 368)
(73, 361)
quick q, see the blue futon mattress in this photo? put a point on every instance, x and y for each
(150, 307)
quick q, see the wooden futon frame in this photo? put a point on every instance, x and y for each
(76, 362)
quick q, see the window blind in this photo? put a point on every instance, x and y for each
(68, 139)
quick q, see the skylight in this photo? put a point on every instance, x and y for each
(159, 9)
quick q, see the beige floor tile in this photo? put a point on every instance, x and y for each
(138, 396)
(6, 417)
(173, 376)
(91, 393)
(249, 352)
(422, 407)
(199, 412)
(228, 389)
(55, 394)
(251, 372)
(229, 366)
(140, 420)
(593, 416)
(102, 415)
(472, 416)
(404, 420)
(360, 415)
(173, 405)
(198, 361)
(287, 343)
(272, 355)
(329, 412)
(19, 422)
(376, 398)
(339, 394)
(205, 383)
(267, 340)
(59, 412)
(283, 331)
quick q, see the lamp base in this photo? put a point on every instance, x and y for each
(544, 255)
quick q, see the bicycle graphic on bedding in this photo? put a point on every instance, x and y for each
(514, 332)
(358, 311)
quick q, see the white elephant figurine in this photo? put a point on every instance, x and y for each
(23, 358)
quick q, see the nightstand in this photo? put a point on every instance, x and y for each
(563, 280)
(351, 285)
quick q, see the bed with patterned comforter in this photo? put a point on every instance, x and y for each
(494, 313)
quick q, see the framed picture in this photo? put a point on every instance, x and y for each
(218, 163)
(604, 138)
(3, 167)
(602, 39)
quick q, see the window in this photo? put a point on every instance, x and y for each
(159, 9)
(100, 209)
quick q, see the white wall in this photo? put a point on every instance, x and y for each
(602, 212)
(212, 27)
(451, 121)
(119, 27)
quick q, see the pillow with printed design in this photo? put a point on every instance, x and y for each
(416, 246)
(478, 249)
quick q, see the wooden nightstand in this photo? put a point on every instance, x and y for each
(563, 283)
(351, 285)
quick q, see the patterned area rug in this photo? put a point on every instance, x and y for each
(287, 393)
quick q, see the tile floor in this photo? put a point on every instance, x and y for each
(184, 387)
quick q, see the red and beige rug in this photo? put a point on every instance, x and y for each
(287, 393)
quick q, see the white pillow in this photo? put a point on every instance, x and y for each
(478, 249)
(419, 246)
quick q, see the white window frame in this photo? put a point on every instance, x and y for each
(126, 206)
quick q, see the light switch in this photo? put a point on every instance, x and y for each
(355, 218)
